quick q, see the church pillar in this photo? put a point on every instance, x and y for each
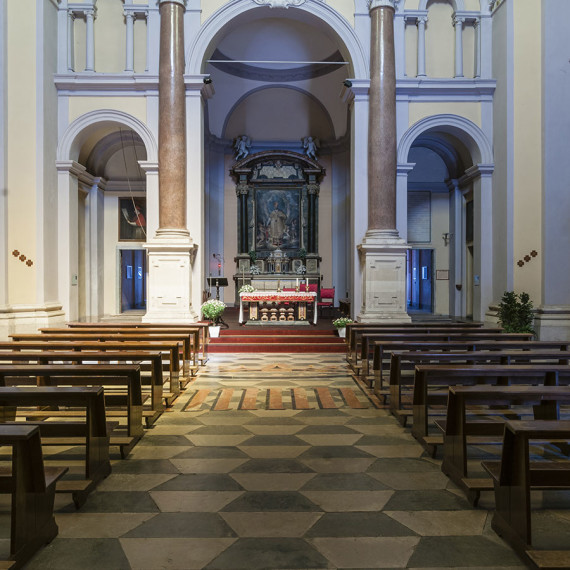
(382, 252)
(170, 250)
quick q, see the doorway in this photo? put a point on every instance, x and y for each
(133, 279)
(420, 280)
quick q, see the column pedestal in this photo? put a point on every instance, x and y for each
(383, 259)
(170, 255)
(552, 322)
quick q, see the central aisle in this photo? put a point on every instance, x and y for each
(222, 486)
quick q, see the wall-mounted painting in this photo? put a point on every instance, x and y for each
(132, 219)
(278, 219)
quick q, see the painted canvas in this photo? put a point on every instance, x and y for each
(278, 218)
(132, 219)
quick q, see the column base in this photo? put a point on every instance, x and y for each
(24, 319)
(552, 322)
(383, 257)
(170, 256)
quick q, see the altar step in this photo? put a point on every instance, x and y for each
(276, 340)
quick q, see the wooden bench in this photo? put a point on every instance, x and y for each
(382, 349)
(189, 366)
(203, 327)
(459, 424)
(32, 487)
(189, 337)
(91, 433)
(153, 358)
(126, 375)
(514, 477)
(170, 348)
(458, 374)
(401, 361)
(441, 336)
(353, 330)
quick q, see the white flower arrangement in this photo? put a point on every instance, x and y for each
(246, 289)
(302, 269)
(254, 270)
(213, 309)
(342, 322)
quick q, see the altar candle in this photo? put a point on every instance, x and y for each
(297, 282)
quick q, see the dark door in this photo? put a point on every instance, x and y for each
(420, 279)
(133, 279)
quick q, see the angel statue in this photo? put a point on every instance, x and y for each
(311, 145)
(241, 146)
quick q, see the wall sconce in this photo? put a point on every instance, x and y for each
(446, 238)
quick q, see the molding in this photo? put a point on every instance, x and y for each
(194, 83)
(98, 84)
(468, 132)
(44, 308)
(280, 3)
(359, 89)
(180, 2)
(452, 89)
(225, 16)
(67, 141)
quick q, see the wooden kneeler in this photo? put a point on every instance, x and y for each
(33, 490)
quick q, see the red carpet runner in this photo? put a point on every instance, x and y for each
(261, 339)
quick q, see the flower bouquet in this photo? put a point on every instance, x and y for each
(213, 310)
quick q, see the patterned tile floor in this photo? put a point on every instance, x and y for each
(284, 481)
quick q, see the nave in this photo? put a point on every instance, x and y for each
(338, 487)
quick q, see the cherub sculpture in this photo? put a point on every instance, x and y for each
(311, 145)
(242, 145)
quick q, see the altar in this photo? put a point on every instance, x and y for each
(277, 307)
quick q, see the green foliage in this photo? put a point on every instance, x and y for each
(515, 312)
(341, 322)
(213, 310)
(252, 256)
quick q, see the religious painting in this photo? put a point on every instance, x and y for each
(278, 218)
(132, 219)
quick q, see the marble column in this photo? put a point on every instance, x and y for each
(382, 252)
(171, 250)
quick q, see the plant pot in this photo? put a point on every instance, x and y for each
(342, 332)
(214, 331)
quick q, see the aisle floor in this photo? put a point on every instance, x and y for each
(228, 488)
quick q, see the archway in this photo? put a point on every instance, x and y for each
(449, 190)
(104, 178)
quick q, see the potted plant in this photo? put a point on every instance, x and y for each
(213, 310)
(340, 325)
(515, 312)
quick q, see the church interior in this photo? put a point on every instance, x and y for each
(396, 163)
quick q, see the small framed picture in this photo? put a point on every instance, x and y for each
(132, 219)
(442, 274)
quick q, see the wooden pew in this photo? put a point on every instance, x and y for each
(189, 355)
(459, 424)
(127, 357)
(91, 433)
(401, 361)
(382, 349)
(32, 487)
(457, 374)
(126, 375)
(170, 348)
(514, 477)
(441, 336)
(202, 326)
(189, 337)
(355, 330)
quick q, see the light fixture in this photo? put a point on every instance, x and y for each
(207, 80)
(347, 83)
(446, 238)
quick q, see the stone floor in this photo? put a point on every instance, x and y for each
(228, 488)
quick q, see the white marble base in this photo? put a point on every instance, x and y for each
(552, 322)
(23, 319)
(170, 255)
(383, 258)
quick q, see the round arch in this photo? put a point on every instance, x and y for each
(68, 147)
(216, 23)
(458, 5)
(278, 86)
(463, 129)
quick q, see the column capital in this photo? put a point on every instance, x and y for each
(313, 189)
(181, 2)
(372, 4)
(242, 188)
(457, 19)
